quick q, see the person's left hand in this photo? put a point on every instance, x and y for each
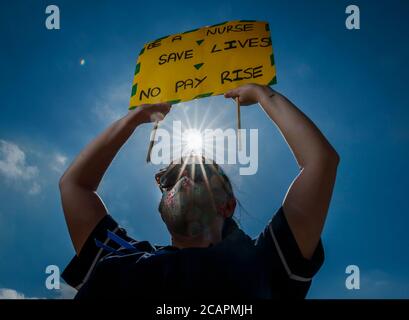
(248, 94)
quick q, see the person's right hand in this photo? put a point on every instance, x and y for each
(150, 112)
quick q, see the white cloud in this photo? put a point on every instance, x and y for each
(6, 293)
(13, 166)
(13, 162)
(58, 163)
(30, 172)
(10, 294)
(65, 292)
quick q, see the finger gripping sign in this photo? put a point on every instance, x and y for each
(203, 62)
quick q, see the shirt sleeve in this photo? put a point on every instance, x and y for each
(277, 245)
(81, 266)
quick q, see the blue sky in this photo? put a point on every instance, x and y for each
(352, 84)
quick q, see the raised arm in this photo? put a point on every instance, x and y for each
(307, 200)
(82, 206)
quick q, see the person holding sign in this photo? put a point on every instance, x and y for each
(209, 256)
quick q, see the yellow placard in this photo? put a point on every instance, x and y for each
(203, 62)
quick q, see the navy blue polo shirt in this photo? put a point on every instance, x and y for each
(267, 267)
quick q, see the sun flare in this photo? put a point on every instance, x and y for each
(193, 141)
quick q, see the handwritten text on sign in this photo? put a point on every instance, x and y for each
(204, 62)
